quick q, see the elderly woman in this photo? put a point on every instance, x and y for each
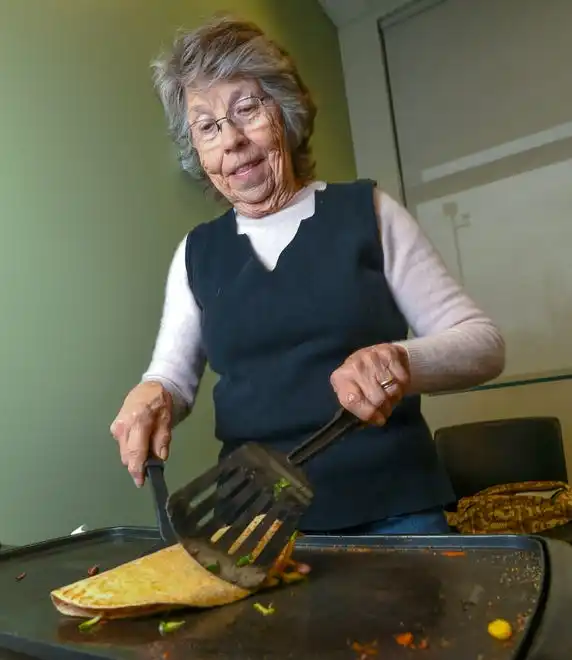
(300, 298)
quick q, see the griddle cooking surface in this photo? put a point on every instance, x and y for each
(444, 590)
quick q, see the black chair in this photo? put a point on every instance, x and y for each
(484, 454)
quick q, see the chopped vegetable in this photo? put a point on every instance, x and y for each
(500, 629)
(408, 641)
(214, 568)
(265, 611)
(303, 569)
(291, 577)
(280, 485)
(244, 561)
(454, 553)
(20, 577)
(404, 639)
(93, 570)
(166, 627)
(365, 650)
(89, 624)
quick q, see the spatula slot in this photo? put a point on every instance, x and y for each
(257, 538)
(278, 541)
(256, 507)
(232, 508)
(201, 509)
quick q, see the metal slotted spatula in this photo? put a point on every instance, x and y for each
(251, 482)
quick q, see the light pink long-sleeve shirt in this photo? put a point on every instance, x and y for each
(454, 344)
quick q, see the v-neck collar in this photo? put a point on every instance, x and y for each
(251, 255)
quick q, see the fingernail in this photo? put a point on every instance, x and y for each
(163, 453)
(379, 419)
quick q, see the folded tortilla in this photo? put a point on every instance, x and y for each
(164, 580)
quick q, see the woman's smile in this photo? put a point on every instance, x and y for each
(249, 172)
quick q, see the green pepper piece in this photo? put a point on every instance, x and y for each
(166, 627)
(280, 485)
(265, 611)
(244, 561)
(89, 624)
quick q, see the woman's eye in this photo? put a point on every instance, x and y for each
(206, 126)
(246, 109)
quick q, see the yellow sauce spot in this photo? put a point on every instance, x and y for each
(500, 629)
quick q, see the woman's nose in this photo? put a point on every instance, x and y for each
(231, 136)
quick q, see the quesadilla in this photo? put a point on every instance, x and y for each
(168, 579)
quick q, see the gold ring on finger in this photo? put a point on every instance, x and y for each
(387, 383)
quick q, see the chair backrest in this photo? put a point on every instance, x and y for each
(484, 454)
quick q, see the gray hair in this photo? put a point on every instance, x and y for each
(230, 49)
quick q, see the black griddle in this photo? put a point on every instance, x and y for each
(362, 589)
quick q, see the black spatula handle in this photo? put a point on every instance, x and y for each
(154, 468)
(341, 423)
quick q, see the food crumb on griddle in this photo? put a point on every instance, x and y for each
(521, 621)
(20, 577)
(407, 640)
(365, 650)
(500, 629)
(93, 570)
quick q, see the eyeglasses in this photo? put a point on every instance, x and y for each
(242, 113)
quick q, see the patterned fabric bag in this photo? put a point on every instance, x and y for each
(529, 507)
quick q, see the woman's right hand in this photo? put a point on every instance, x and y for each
(143, 426)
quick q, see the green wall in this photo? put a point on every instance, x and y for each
(92, 205)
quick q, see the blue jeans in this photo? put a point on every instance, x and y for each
(429, 522)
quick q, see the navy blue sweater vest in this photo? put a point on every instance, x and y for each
(274, 338)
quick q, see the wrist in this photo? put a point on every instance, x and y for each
(404, 354)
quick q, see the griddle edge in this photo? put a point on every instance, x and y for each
(552, 638)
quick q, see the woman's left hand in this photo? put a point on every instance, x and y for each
(372, 381)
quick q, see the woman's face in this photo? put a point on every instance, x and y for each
(239, 136)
